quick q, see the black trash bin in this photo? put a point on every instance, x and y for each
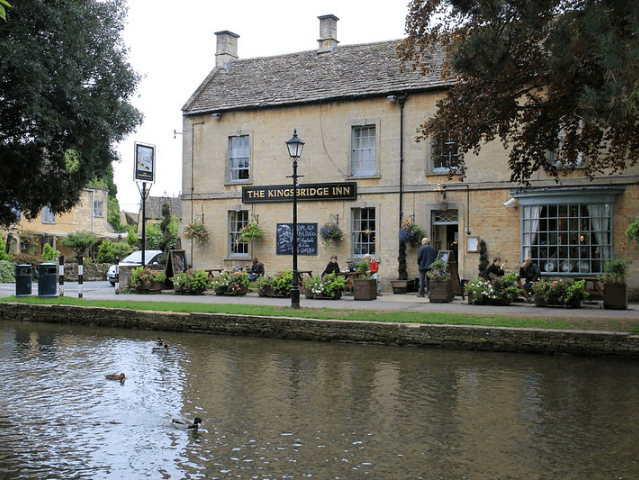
(47, 280)
(23, 280)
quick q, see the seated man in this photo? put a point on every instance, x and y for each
(530, 272)
(256, 271)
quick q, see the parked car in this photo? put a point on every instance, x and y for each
(151, 257)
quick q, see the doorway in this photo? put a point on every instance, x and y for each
(445, 230)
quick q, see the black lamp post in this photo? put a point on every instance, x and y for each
(295, 147)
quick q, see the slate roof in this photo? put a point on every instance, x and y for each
(349, 71)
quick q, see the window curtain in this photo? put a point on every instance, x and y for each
(600, 221)
(531, 218)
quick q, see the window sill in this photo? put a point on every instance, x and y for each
(373, 176)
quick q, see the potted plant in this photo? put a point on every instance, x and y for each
(231, 283)
(411, 233)
(615, 296)
(440, 287)
(191, 282)
(332, 286)
(197, 232)
(365, 288)
(146, 280)
(331, 232)
(564, 292)
(277, 286)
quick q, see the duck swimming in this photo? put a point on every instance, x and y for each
(163, 349)
(116, 376)
(185, 424)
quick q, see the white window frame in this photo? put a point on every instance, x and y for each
(236, 220)
(98, 208)
(440, 162)
(237, 154)
(47, 215)
(364, 231)
(363, 159)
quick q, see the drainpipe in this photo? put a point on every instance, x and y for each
(401, 100)
(193, 178)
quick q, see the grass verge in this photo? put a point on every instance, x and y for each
(436, 318)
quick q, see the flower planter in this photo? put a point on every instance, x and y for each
(240, 291)
(615, 296)
(440, 291)
(186, 291)
(318, 296)
(365, 290)
(150, 287)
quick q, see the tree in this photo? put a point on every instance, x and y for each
(3, 9)
(65, 89)
(558, 76)
(80, 242)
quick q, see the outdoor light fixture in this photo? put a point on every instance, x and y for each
(440, 193)
(295, 147)
(216, 115)
(512, 202)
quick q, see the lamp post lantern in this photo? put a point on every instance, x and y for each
(295, 146)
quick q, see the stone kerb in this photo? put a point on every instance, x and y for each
(496, 339)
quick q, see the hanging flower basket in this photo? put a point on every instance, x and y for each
(331, 232)
(411, 233)
(251, 231)
(197, 232)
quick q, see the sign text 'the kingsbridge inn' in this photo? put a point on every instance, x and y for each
(314, 191)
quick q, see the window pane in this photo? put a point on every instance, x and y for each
(364, 231)
(236, 221)
(239, 151)
(363, 150)
(568, 238)
(444, 152)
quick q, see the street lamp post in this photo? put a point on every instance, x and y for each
(295, 146)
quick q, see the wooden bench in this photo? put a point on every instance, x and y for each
(593, 287)
(210, 271)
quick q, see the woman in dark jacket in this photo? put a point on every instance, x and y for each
(332, 266)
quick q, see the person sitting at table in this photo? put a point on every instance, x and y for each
(495, 269)
(332, 267)
(373, 269)
(530, 272)
(256, 271)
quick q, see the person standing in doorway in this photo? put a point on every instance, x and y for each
(425, 256)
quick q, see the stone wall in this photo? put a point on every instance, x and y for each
(495, 339)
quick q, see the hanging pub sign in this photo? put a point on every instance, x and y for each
(313, 191)
(144, 163)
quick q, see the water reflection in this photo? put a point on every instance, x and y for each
(282, 409)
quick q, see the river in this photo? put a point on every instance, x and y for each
(274, 409)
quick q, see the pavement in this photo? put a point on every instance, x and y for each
(388, 301)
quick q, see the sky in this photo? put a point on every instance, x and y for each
(172, 46)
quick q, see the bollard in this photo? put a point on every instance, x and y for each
(61, 275)
(80, 276)
(117, 276)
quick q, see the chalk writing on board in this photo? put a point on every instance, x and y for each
(306, 239)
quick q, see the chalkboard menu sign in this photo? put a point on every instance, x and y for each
(306, 239)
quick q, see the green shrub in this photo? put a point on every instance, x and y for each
(49, 254)
(109, 251)
(80, 242)
(7, 272)
(3, 250)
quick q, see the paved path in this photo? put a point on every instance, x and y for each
(408, 302)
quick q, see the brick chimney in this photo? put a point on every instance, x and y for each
(226, 48)
(328, 33)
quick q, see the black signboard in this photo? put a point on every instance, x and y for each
(313, 191)
(144, 170)
(306, 239)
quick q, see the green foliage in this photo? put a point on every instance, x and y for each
(80, 242)
(614, 271)
(113, 214)
(545, 76)
(132, 237)
(49, 254)
(564, 291)
(191, 281)
(279, 284)
(142, 276)
(251, 231)
(632, 232)
(498, 291)
(3, 9)
(7, 271)
(109, 251)
(230, 282)
(362, 266)
(331, 286)
(66, 101)
(483, 257)
(438, 271)
(3, 250)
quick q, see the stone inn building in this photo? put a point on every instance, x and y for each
(362, 169)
